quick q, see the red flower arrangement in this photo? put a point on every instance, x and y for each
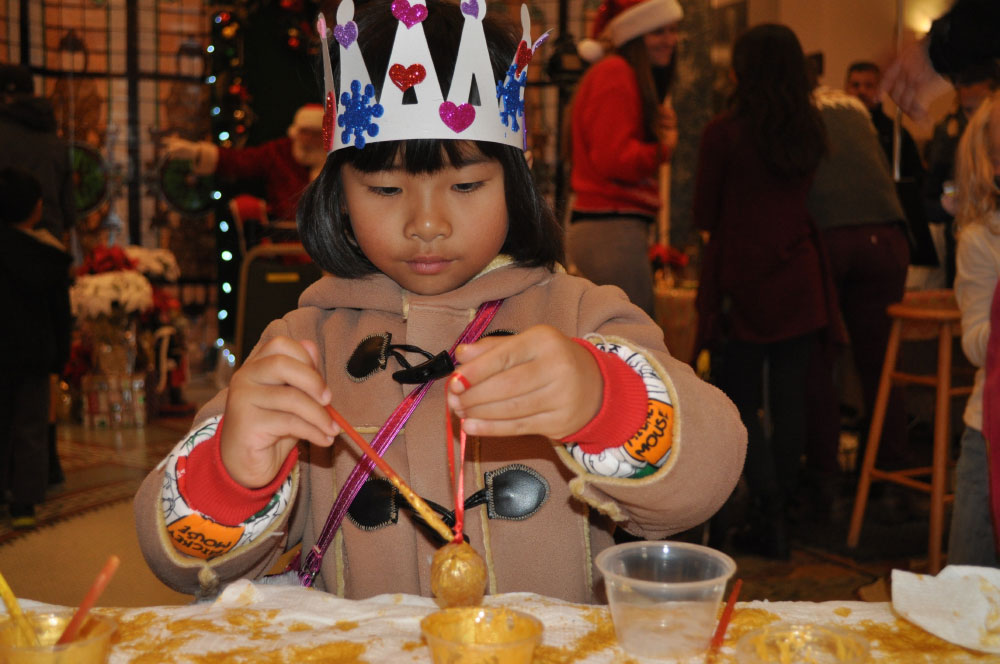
(106, 259)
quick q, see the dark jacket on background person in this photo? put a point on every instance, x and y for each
(940, 152)
(34, 296)
(28, 141)
(910, 164)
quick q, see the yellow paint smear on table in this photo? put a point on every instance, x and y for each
(336, 652)
(345, 625)
(601, 637)
(902, 639)
(747, 620)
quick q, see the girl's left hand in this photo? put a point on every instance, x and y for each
(537, 382)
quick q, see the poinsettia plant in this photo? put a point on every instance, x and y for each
(103, 258)
(662, 257)
(107, 298)
(156, 264)
(668, 264)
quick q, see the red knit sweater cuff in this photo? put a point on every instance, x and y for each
(208, 488)
(623, 407)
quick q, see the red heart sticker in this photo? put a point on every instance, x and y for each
(406, 77)
(523, 57)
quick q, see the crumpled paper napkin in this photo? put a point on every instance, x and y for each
(960, 605)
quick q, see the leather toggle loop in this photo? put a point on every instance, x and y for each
(438, 366)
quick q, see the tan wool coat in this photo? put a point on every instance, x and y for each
(551, 552)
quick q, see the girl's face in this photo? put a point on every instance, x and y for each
(429, 232)
(660, 44)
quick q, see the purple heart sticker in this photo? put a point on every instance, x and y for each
(458, 118)
(471, 8)
(346, 33)
(409, 14)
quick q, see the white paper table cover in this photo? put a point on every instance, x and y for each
(961, 604)
(261, 624)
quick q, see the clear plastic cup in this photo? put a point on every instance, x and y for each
(790, 642)
(481, 635)
(92, 645)
(664, 596)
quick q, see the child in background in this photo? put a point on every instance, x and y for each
(35, 337)
(578, 418)
(972, 540)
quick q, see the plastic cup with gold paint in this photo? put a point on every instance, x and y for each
(481, 635)
(92, 645)
(664, 596)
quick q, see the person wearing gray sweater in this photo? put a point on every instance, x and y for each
(854, 203)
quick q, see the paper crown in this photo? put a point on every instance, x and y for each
(478, 107)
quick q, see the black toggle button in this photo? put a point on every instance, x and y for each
(438, 366)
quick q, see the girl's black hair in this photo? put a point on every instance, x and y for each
(774, 97)
(654, 82)
(534, 237)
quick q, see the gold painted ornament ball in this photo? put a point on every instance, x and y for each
(458, 575)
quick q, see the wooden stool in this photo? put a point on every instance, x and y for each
(926, 314)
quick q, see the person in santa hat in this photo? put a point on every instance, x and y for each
(622, 132)
(285, 165)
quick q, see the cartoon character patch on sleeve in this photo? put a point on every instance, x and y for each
(650, 447)
(196, 534)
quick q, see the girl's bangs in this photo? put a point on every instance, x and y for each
(425, 155)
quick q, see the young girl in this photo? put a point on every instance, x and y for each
(972, 540)
(578, 418)
(621, 134)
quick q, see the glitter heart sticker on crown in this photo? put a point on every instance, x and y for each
(411, 104)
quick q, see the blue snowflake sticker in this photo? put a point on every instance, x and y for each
(510, 92)
(359, 109)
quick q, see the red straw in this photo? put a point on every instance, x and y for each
(100, 583)
(727, 615)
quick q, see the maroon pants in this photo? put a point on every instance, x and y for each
(869, 266)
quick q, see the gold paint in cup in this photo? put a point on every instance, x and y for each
(481, 635)
(92, 646)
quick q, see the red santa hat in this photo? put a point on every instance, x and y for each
(622, 20)
(309, 116)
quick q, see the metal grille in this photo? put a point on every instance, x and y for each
(120, 73)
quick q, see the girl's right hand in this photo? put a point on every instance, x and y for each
(275, 399)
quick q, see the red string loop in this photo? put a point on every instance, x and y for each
(459, 484)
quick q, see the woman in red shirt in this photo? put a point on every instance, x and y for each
(621, 134)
